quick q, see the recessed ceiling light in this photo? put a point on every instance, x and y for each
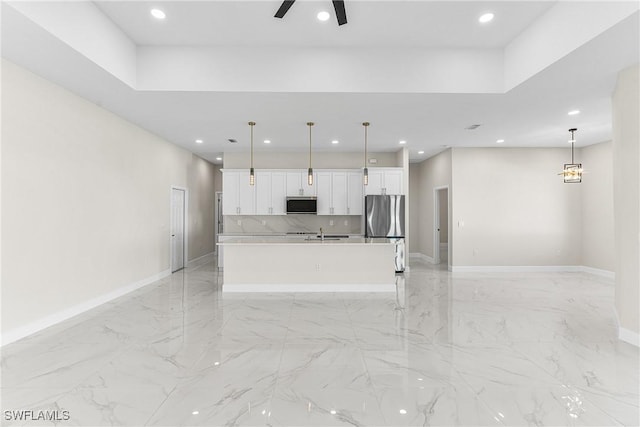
(335, 141)
(158, 14)
(195, 412)
(267, 141)
(403, 411)
(332, 412)
(573, 112)
(323, 16)
(198, 141)
(403, 142)
(487, 17)
(420, 152)
(218, 158)
(500, 141)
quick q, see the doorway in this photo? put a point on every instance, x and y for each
(178, 228)
(441, 225)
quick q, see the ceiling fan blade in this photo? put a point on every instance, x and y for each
(338, 5)
(284, 7)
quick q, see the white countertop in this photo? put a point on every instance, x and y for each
(312, 241)
(277, 234)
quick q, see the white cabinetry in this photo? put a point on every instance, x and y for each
(355, 197)
(271, 187)
(239, 196)
(385, 181)
(339, 192)
(297, 184)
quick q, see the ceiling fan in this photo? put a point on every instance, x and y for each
(338, 5)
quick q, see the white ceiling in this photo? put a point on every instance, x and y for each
(533, 114)
(370, 23)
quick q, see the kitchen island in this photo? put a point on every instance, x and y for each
(308, 265)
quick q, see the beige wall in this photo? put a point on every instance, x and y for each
(626, 157)
(510, 208)
(414, 206)
(85, 200)
(425, 176)
(300, 160)
(597, 206)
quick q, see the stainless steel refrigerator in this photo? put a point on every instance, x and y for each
(385, 218)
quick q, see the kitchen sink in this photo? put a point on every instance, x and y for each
(325, 238)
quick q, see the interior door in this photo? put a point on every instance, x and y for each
(177, 229)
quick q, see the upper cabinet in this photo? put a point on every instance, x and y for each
(239, 196)
(271, 188)
(297, 184)
(355, 193)
(385, 181)
(339, 191)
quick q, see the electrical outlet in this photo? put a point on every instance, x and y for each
(331, 222)
(346, 222)
(239, 222)
(317, 267)
(264, 222)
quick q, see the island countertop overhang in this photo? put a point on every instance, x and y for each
(306, 242)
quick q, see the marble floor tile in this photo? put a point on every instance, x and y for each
(434, 406)
(544, 406)
(325, 407)
(445, 349)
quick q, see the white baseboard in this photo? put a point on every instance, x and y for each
(629, 336)
(201, 260)
(532, 269)
(598, 272)
(625, 334)
(515, 268)
(421, 257)
(47, 321)
(303, 287)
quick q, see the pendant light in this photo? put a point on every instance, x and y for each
(310, 175)
(365, 172)
(572, 172)
(252, 173)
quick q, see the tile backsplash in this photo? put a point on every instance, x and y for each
(333, 224)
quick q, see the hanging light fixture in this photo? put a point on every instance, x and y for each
(310, 175)
(252, 173)
(365, 171)
(572, 172)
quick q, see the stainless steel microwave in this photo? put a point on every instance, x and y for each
(302, 205)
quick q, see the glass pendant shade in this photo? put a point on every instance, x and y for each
(365, 172)
(252, 174)
(310, 174)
